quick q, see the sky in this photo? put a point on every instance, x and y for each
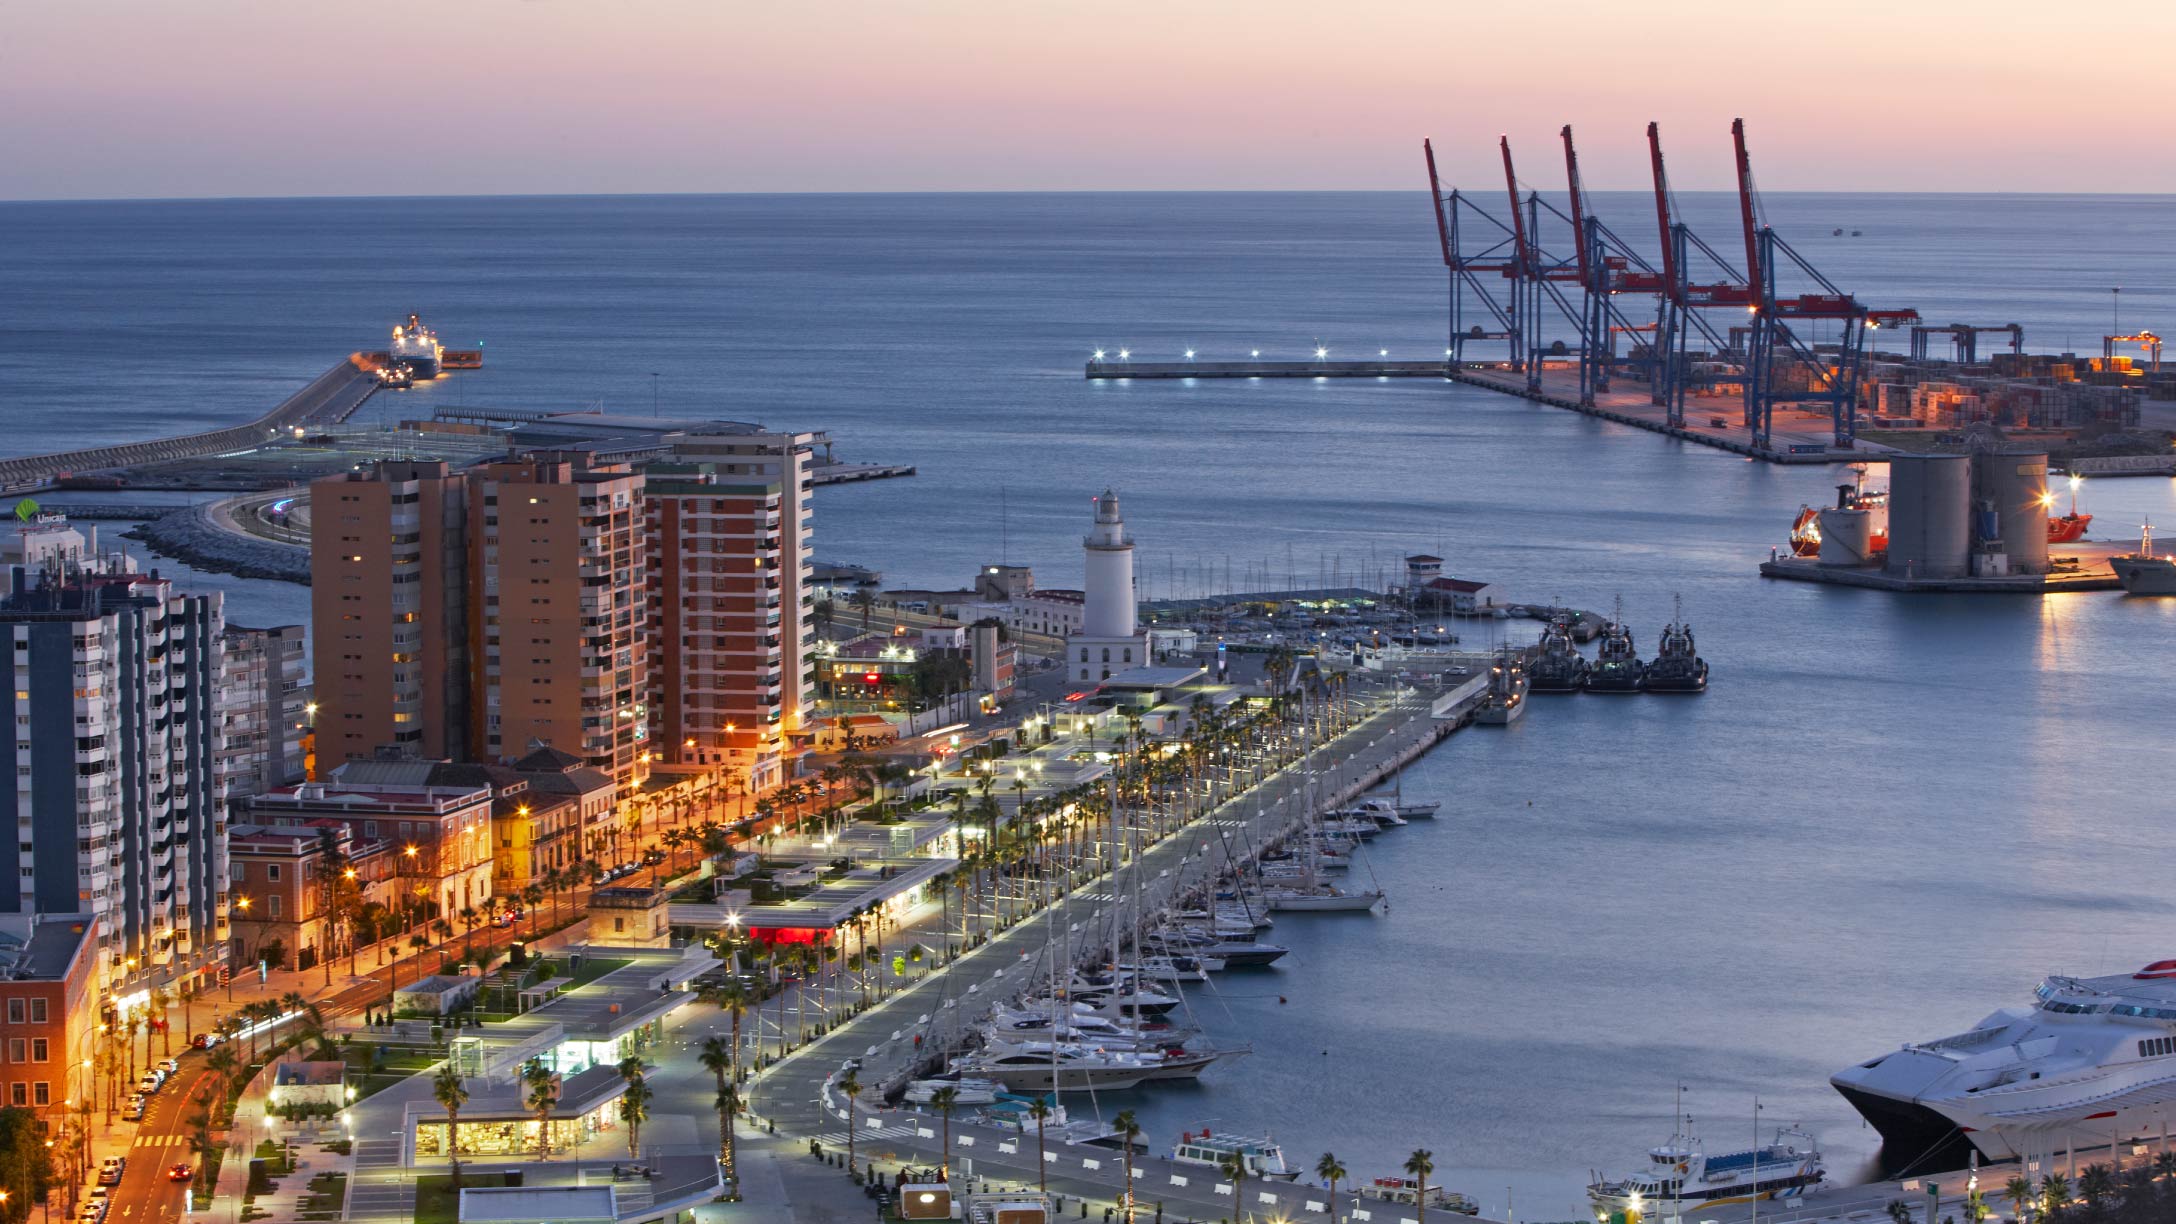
(164, 98)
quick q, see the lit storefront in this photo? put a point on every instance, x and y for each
(501, 1124)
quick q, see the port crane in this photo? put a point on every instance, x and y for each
(1541, 279)
(1775, 345)
(1684, 300)
(1964, 338)
(1610, 271)
(1482, 255)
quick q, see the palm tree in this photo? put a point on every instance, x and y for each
(2096, 1185)
(1900, 1212)
(1129, 1130)
(532, 895)
(851, 1087)
(543, 1094)
(2165, 1164)
(728, 1104)
(944, 1099)
(634, 1103)
(1233, 1165)
(452, 1094)
(1331, 1173)
(1420, 1164)
(1039, 1109)
(2019, 1192)
(2054, 1192)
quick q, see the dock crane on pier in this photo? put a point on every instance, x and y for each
(1538, 278)
(1684, 300)
(1609, 271)
(1774, 342)
(1482, 254)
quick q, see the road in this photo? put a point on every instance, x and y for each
(161, 1140)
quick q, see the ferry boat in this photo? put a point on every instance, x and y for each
(416, 350)
(2142, 573)
(1681, 1172)
(1406, 1190)
(1677, 667)
(1617, 667)
(2089, 1061)
(1558, 667)
(1264, 1160)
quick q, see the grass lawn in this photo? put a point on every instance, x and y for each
(328, 1193)
(436, 1200)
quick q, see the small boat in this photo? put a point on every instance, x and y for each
(1323, 898)
(1617, 667)
(1680, 1172)
(1558, 667)
(1406, 1190)
(2142, 573)
(1238, 955)
(966, 1090)
(2069, 528)
(1263, 1159)
(1677, 667)
(1040, 1066)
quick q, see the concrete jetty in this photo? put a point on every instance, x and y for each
(329, 398)
(1108, 369)
(898, 1038)
(1798, 437)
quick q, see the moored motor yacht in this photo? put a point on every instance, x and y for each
(1681, 1172)
(1041, 1066)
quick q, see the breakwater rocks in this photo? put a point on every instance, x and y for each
(189, 534)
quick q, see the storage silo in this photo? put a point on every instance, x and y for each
(1847, 537)
(2015, 483)
(1930, 499)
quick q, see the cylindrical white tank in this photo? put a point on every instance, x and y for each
(1930, 498)
(2015, 483)
(1847, 537)
(1108, 608)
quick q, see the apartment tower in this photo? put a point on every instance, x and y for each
(732, 668)
(561, 635)
(389, 612)
(116, 738)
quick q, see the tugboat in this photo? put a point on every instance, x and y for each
(1558, 667)
(1507, 686)
(2141, 572)
(2069, 528)
(1617, 669)
(1678, 667)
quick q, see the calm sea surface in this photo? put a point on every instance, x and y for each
(1886, 818)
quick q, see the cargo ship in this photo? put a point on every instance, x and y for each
(416, 350)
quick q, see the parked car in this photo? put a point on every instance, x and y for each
(205, 1041)
(171, 1066)
(150, 1083)
(109, 1170)
(134, 1110)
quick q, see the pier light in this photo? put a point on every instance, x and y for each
(1189, 354)
(1321, 352)
(1382, 352)
(1099, 355)
(1257, 352)
(1124, 354)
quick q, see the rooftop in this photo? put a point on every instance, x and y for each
(538, 1204)
(52, 947)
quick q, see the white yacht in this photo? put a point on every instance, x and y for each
(1407, 1190)
(966, 1090)
(2092, 1060)
(1264, 1160)
(1035, 1066)
(1302, 897)
(1681, 1173)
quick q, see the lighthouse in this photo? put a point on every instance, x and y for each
(1110, 640)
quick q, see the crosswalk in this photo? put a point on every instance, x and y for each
(152, 1142)
(867, 1134)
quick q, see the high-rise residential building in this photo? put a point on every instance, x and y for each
(389, 586)
(561, 624)
(263, 715)
(732, 667)
(116, 739)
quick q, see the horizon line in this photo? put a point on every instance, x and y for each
(1014, 191)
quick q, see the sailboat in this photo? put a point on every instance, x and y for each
(1311, 893)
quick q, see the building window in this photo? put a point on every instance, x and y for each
(19, 1094)
(38, 1050)
(37, 1011)
(1106, 656)
(1129, 654)
(272, 905)
(18, 1051)
(272, 872)
(41, 1094)
(15, 1011)
(1084, 654)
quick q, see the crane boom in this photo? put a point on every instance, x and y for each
(1745, 206)
(1579, 207)
(1662, 210)
(1518, 218)
(1435, 202)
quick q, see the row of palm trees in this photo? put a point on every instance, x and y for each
(2143, 1194)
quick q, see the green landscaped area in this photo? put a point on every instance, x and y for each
(438, 1203)
(328, 1194)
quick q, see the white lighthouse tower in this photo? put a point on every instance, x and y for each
(1110, 640)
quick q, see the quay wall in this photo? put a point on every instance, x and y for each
(1370, 368)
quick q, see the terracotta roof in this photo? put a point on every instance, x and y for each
(1457, 584)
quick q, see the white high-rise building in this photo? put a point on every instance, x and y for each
(1110, 640)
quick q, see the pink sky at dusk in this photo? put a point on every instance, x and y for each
(111, 98)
